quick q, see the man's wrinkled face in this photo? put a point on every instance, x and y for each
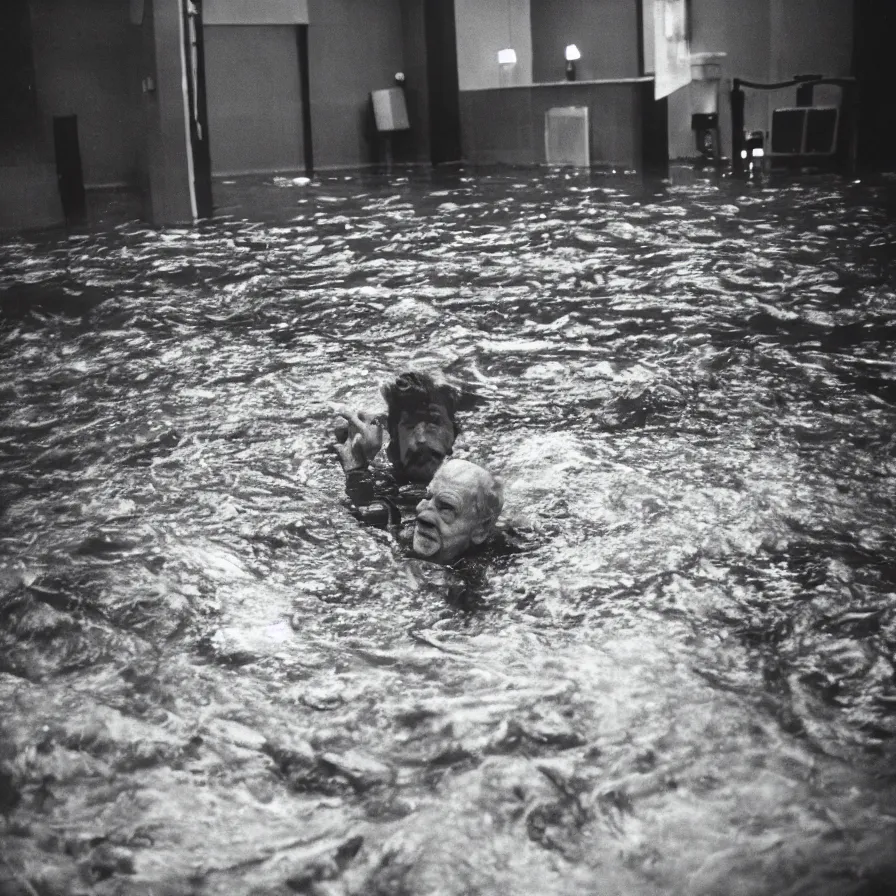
(447, 521)
(425, 436)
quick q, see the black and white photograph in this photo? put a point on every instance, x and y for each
(447, 447)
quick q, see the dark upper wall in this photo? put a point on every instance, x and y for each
(84, 52)
(605, 31)
(354, 47)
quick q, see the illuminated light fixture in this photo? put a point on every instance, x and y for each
(754, 150)
(572, 54)
(754, 140)
(506, 63)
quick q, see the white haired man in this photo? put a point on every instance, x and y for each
(458, 513)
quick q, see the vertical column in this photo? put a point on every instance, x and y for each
(197, 117)
(305, 92)
(170, 177)
(416, 84)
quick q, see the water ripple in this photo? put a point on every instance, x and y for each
(686, 682)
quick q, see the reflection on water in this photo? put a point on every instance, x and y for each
(215, 681)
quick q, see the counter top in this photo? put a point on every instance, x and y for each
(600, 82)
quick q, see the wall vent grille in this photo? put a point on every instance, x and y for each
(566, 136)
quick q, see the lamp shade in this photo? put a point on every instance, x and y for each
(572, 53)
(507, 57)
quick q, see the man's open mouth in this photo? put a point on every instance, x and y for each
(425, 531)
(426, 539)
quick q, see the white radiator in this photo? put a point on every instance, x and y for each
(566, 136)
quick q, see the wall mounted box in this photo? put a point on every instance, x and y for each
(390, 110)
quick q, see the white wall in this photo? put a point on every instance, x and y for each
(483, 28)
(648, 37)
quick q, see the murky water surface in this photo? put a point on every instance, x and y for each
(215, 681)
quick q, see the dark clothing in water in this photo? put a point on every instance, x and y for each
(377, 499)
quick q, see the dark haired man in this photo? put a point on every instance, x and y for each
(420, 422)
(463, 500)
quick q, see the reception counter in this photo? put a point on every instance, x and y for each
(628, 128)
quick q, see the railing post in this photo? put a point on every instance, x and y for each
(737, 127)
(852, 100)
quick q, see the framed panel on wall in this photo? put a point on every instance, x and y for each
(671, 46)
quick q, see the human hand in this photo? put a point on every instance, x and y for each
(358, 436)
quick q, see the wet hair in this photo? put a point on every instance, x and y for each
(488, 500)
(410, 391)
(489, 504)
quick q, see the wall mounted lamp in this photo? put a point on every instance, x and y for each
(506, 62)
(754, 150)
(572, 54)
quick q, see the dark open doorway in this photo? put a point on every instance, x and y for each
(874, 38)
(441, 72)
(68, 168)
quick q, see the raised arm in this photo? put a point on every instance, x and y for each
(358, 437)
